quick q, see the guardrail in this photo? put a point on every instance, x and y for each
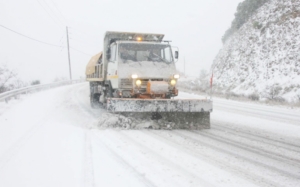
(14, 93)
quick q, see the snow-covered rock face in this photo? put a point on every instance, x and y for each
(263, 56)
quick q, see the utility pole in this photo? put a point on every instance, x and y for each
(184, 66)
(69, 54)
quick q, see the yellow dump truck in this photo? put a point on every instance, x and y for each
(136, 74)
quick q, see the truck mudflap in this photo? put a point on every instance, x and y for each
(158, 105)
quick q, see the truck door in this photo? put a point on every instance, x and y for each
(112, 65)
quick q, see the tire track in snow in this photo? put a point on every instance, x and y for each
(141, 177)
(224, 146)
(258, 137)
(167, 161)
(89, 112)
(240, 145)
(256, 147)
(84, 106)
(94, 113)
(162, 167)
(211, 154)
(88, 165)
(245, 111)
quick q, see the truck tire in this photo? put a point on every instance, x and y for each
(95, 95)
(94, 100)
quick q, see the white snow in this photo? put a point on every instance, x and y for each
(54, 138)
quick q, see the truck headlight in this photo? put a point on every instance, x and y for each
(138, 82)
(176, 76)
(134, 76)
(173, 82)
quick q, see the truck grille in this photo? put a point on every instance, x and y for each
(127, 83)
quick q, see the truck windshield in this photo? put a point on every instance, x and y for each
(145, 52)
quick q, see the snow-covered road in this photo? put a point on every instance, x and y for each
(51, 138)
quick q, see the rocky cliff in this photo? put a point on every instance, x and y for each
(262, 58)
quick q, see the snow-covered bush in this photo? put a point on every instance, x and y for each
(253, 97)
(7, 77)
(35, 82)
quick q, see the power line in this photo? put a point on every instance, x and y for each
(52, 11)
(61, 44)
(29, 37)
(47, 12)
(79, 31)
(83, 42)
(41, 41)
(94, 44)
(80, 51)
(59, 11)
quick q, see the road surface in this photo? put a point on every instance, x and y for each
(53, 138)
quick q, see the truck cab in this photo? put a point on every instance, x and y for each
(141, 69)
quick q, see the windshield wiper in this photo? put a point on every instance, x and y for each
(158, 57)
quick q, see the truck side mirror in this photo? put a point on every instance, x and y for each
(176, 54)
(175, 51)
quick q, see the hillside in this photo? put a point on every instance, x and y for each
(262, 58)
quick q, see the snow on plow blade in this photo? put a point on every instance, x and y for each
(158, 105)
(181, 113)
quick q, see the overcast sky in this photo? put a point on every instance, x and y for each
(194, 26)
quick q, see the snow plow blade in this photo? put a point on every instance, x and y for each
(158, 105)
(181, 113)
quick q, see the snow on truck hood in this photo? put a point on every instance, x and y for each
(146, 69)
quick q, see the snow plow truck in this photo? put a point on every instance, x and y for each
(136, 74)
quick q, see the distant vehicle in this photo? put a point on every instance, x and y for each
(136, 73)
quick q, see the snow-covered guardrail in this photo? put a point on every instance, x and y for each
(13, 93)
